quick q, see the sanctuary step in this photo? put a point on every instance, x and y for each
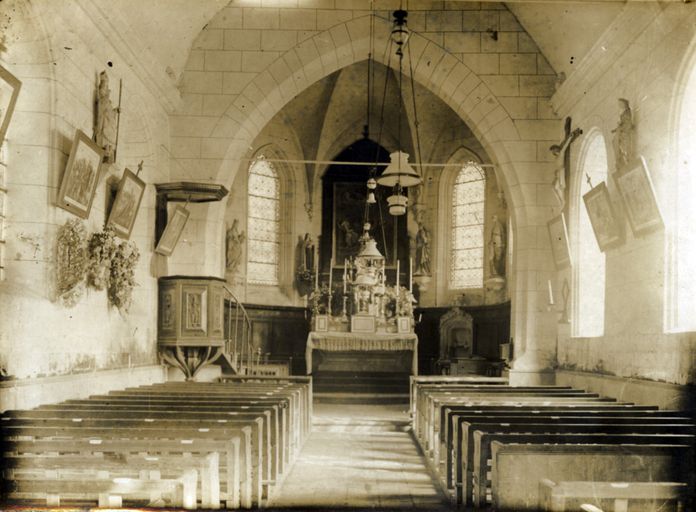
(361, 382)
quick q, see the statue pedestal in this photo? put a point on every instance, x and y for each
(494, 290)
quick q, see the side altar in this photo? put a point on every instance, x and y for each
(369, 315)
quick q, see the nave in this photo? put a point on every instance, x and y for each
(462, 443)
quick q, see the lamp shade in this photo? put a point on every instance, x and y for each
(397, 204)
(400, 172)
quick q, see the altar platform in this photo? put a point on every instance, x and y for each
(351, 342)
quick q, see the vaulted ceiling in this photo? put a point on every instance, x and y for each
(564, 30)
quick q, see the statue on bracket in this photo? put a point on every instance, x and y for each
(562, 169)
(304, 276)
(106, 132)
(496, 248)
(234, 241)
(422, 250)
(623, 136)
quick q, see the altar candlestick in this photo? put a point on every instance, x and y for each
(316, 276)
(397, 277)
(551, 302)
(410, 275)
(330, 274)
(345, 275)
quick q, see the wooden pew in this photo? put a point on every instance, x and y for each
(614, 496)
(244, 460)
(97, 465)
(173, 451)
(460, 472)
(483, 440)
(518, 468)
(418, 381)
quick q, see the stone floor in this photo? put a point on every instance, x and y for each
(361, 457)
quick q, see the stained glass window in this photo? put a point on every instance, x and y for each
(466, 258)
(263, 224)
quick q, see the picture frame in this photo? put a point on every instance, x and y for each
(639, 199)
(172, 232)
(81, 176)
(125, 208)
(560, 246)
(607, 226)
(9, 91)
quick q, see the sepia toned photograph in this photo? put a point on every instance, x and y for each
(124, 211)
(9, 91)
(170, 236)
(606, 225)
(81, 176)
(399, 256)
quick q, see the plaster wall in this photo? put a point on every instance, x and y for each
(638, 58)
(57, 50)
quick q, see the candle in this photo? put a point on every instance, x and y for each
(397, 277)
(550, 294)
(345, 275)
(330, 274)
(316, 275)
(410, 275)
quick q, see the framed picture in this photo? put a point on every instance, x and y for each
(558, 232)
(606, 225)
(9, 90)
(172, 231)
(639, 199)
(126, 205)
(81, 176)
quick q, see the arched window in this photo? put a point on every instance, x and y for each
(590, 269)
(681, 303)
(468, 201)
(263, 226)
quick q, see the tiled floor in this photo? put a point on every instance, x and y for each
(360, 456)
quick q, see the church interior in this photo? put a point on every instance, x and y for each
(358, 254)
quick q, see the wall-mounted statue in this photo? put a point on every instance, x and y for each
(422, 250)
(234, 241)
(307, 251)
(623, 135)
(496, 248)
(106, 132)
(562, 168)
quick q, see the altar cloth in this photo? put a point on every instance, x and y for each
(361, 342)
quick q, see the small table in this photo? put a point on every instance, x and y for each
(361, 342)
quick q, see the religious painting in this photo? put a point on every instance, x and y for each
(558, 232)
(639, 198)
(605, 223)
(172, 231)
(81, 176)
(9, 90)
(348, 217)
(126, 205)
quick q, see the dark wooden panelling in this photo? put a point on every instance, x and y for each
(491, 328)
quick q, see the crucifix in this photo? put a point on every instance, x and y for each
(562, 170)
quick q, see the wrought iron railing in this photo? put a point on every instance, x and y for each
(238, 344)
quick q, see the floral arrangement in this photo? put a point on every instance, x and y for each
(72, 260)
(122, 275)
(405, 302)
(102, 247)
(319, 300)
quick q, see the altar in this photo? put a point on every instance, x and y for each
(359, 342)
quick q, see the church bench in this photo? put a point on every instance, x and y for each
(243, 429)
(614, 496)
(518, 468)
(433, 415)
(241, 459)
(180, 454)
(275, 437)
(418, 381)
(89, 466)
(108, 492)
(479, 482)
(460, 454)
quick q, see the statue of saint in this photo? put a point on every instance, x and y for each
(496, 248)
(106, 133)
(422, 250)
(562, 169)
(307, 254)
(235, 239)
(623, 135)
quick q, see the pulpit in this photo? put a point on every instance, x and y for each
(190, 331)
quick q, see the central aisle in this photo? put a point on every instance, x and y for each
(360, 456)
